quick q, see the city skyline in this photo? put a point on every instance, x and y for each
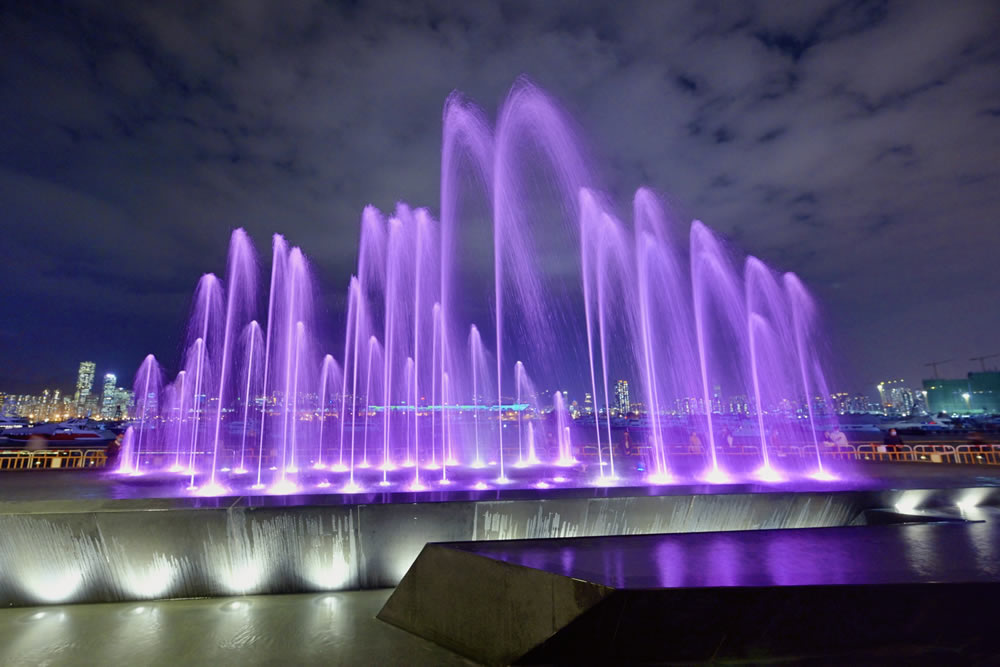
(891, 392)
(835, 141)
(92, 396)
(890, 397)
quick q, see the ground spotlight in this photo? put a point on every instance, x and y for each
(660, 478)
(768, 474)
(213, 489)
(717, 476)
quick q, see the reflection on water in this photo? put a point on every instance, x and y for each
(954, 551)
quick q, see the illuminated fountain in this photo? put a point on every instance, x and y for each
(425, 393)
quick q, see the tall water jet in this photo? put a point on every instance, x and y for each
(199, 353)
(411, 412)
(279, 258)
(374, 356)
(395, 265)
(293, 326)
(805, 326)
(467, 141)
(425, 284)
(300, 334)
(359, 317)
(713, 283)
(254, 357)
(563, 440)
(477, 357)
(180, 396)
(525, 442)
(612, 267)
(350, 334)
(589, 211)
(291, 294)
(528, 118)
(437, 382)
(768, 341)
(127, 453)
(148, 386)
(204, 329)
(330, 374)
(532, 451)
(446, 399)
(241, 288)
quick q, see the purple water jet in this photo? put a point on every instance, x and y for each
(253, 361)
(718, 359)
(241, 288)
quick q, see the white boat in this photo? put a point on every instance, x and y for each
(9, 423)
(69, 432)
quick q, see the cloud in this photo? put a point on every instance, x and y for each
(853, 143)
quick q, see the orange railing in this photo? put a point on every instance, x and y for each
(27, 459)
(939, 452)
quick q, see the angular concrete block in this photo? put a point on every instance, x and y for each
(486, 609)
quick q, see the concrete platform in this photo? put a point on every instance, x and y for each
(91, 485)
(914, 592)
(77, 537)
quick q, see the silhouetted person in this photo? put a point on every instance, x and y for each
(774, 439)
(838, 438)
(112, 452)
(892, 440)
(727, 439)
(695, 442)
(978, 442)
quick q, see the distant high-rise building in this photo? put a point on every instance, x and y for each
(84, 381)
(123, 403)
(977, 393)
(896, 398)
(109, 396)
(950, 396)
(622, 401)
(841, 402)
(859, 404)
(984, 390)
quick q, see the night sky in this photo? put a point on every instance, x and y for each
(855, 143)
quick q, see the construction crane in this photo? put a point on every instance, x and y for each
(935, 364)
(982, 359)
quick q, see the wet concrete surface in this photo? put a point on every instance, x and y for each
(327, 629)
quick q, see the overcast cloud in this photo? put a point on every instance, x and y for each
(855, 143)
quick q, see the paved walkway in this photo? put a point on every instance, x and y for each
(326, 629)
